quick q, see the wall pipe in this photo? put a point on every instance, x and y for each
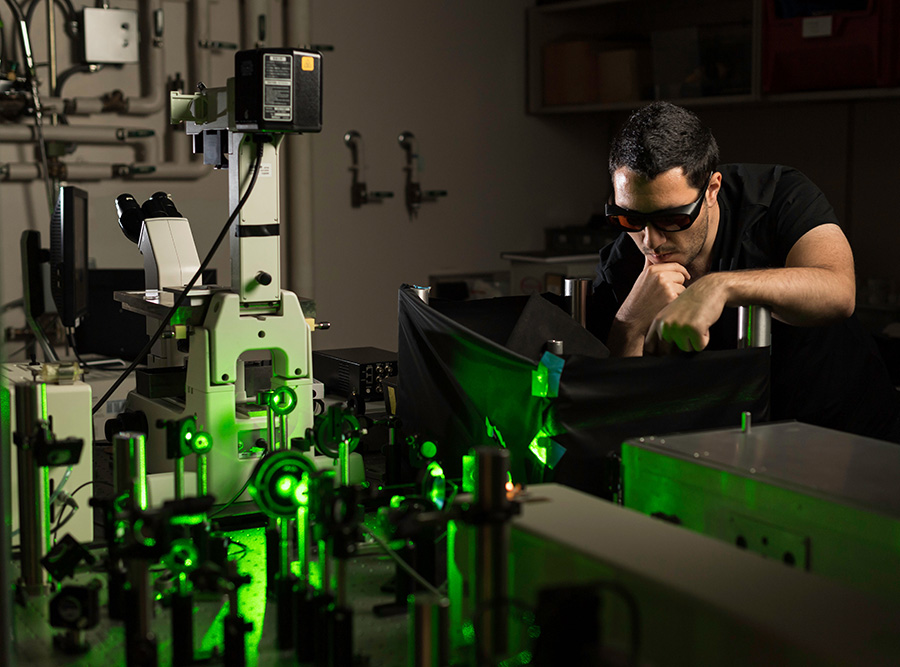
(299, 207)
(198, 36)
(93, 171)
(145, 146)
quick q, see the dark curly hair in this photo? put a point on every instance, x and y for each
(662, 136)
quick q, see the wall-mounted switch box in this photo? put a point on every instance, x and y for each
(109, 36)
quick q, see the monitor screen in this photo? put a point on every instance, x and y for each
(69, 254)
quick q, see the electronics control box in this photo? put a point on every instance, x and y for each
(278, 90)
(356, 371)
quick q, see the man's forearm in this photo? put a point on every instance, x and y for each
(802, 296)
(625, 341)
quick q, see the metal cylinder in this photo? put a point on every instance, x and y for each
(423, 293)
(491, 554)
(554, 347)
(179, 478)
(754, 327)
(6, 609)
(577, 291)
(130, 467)
(30, 409)
(202, 475)
(429, 623)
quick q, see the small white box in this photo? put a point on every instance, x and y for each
(109, 36)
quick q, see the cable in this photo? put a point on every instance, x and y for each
(402, 563)
(70, 337)
(233, 500)
(61, 522)
(187, 288)
(65, 4)
(15, 303)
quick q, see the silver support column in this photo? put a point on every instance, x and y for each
(29, 413)
(491, 554)
(130, 467)
(577, 291)
(429, 628)
(754, 327)
(6, 609)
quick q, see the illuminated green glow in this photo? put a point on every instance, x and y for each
(275, 485)
(468, 476)
(202, 443)
(187, 430)
(396, 501)
(182, 556)
(42, 401)
(301, 493)
(283, 400)
(468, 632)
(435, 485)
(493, 432)
(540, 382)
(285, 486)
(215, 635)
(429, 449)
(187, 519)
(521, 658)
(538, 447)
(146, 540)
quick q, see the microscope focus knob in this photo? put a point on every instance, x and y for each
(264, 278)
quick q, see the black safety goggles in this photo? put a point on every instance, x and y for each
(667, 220)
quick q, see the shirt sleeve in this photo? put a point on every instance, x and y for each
(797, 206)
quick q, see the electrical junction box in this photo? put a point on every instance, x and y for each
(278, 90)
(109, 36)
(355, 370)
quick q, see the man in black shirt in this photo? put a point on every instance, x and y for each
(702, 237)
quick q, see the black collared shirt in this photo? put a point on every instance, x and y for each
(831, 376)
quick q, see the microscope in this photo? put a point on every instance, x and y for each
(198, 369)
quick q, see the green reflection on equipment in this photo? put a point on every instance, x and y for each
(202, 443)
(283, 400)
(187, 520)
(435, 485)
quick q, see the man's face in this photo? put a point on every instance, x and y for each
(669, 189)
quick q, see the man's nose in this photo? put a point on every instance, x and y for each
(652, 237)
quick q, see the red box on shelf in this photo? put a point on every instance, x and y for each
(806, 46)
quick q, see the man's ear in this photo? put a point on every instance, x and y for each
(712, 192)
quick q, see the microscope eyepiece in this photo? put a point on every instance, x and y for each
(131, 217)
(160, 205)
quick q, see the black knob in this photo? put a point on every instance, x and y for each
(263, 278)
(131, 217)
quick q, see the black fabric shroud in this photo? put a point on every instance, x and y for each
(453, 381)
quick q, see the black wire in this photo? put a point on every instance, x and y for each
(60, 523)
(71, 339)
(65, 4)
(187, 288)
(233, 500)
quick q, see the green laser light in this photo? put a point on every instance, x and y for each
(283, 400)
(202, 443)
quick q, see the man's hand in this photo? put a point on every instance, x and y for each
(684, 324)
(656, 287)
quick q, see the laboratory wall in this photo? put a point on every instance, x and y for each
(453, 74)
